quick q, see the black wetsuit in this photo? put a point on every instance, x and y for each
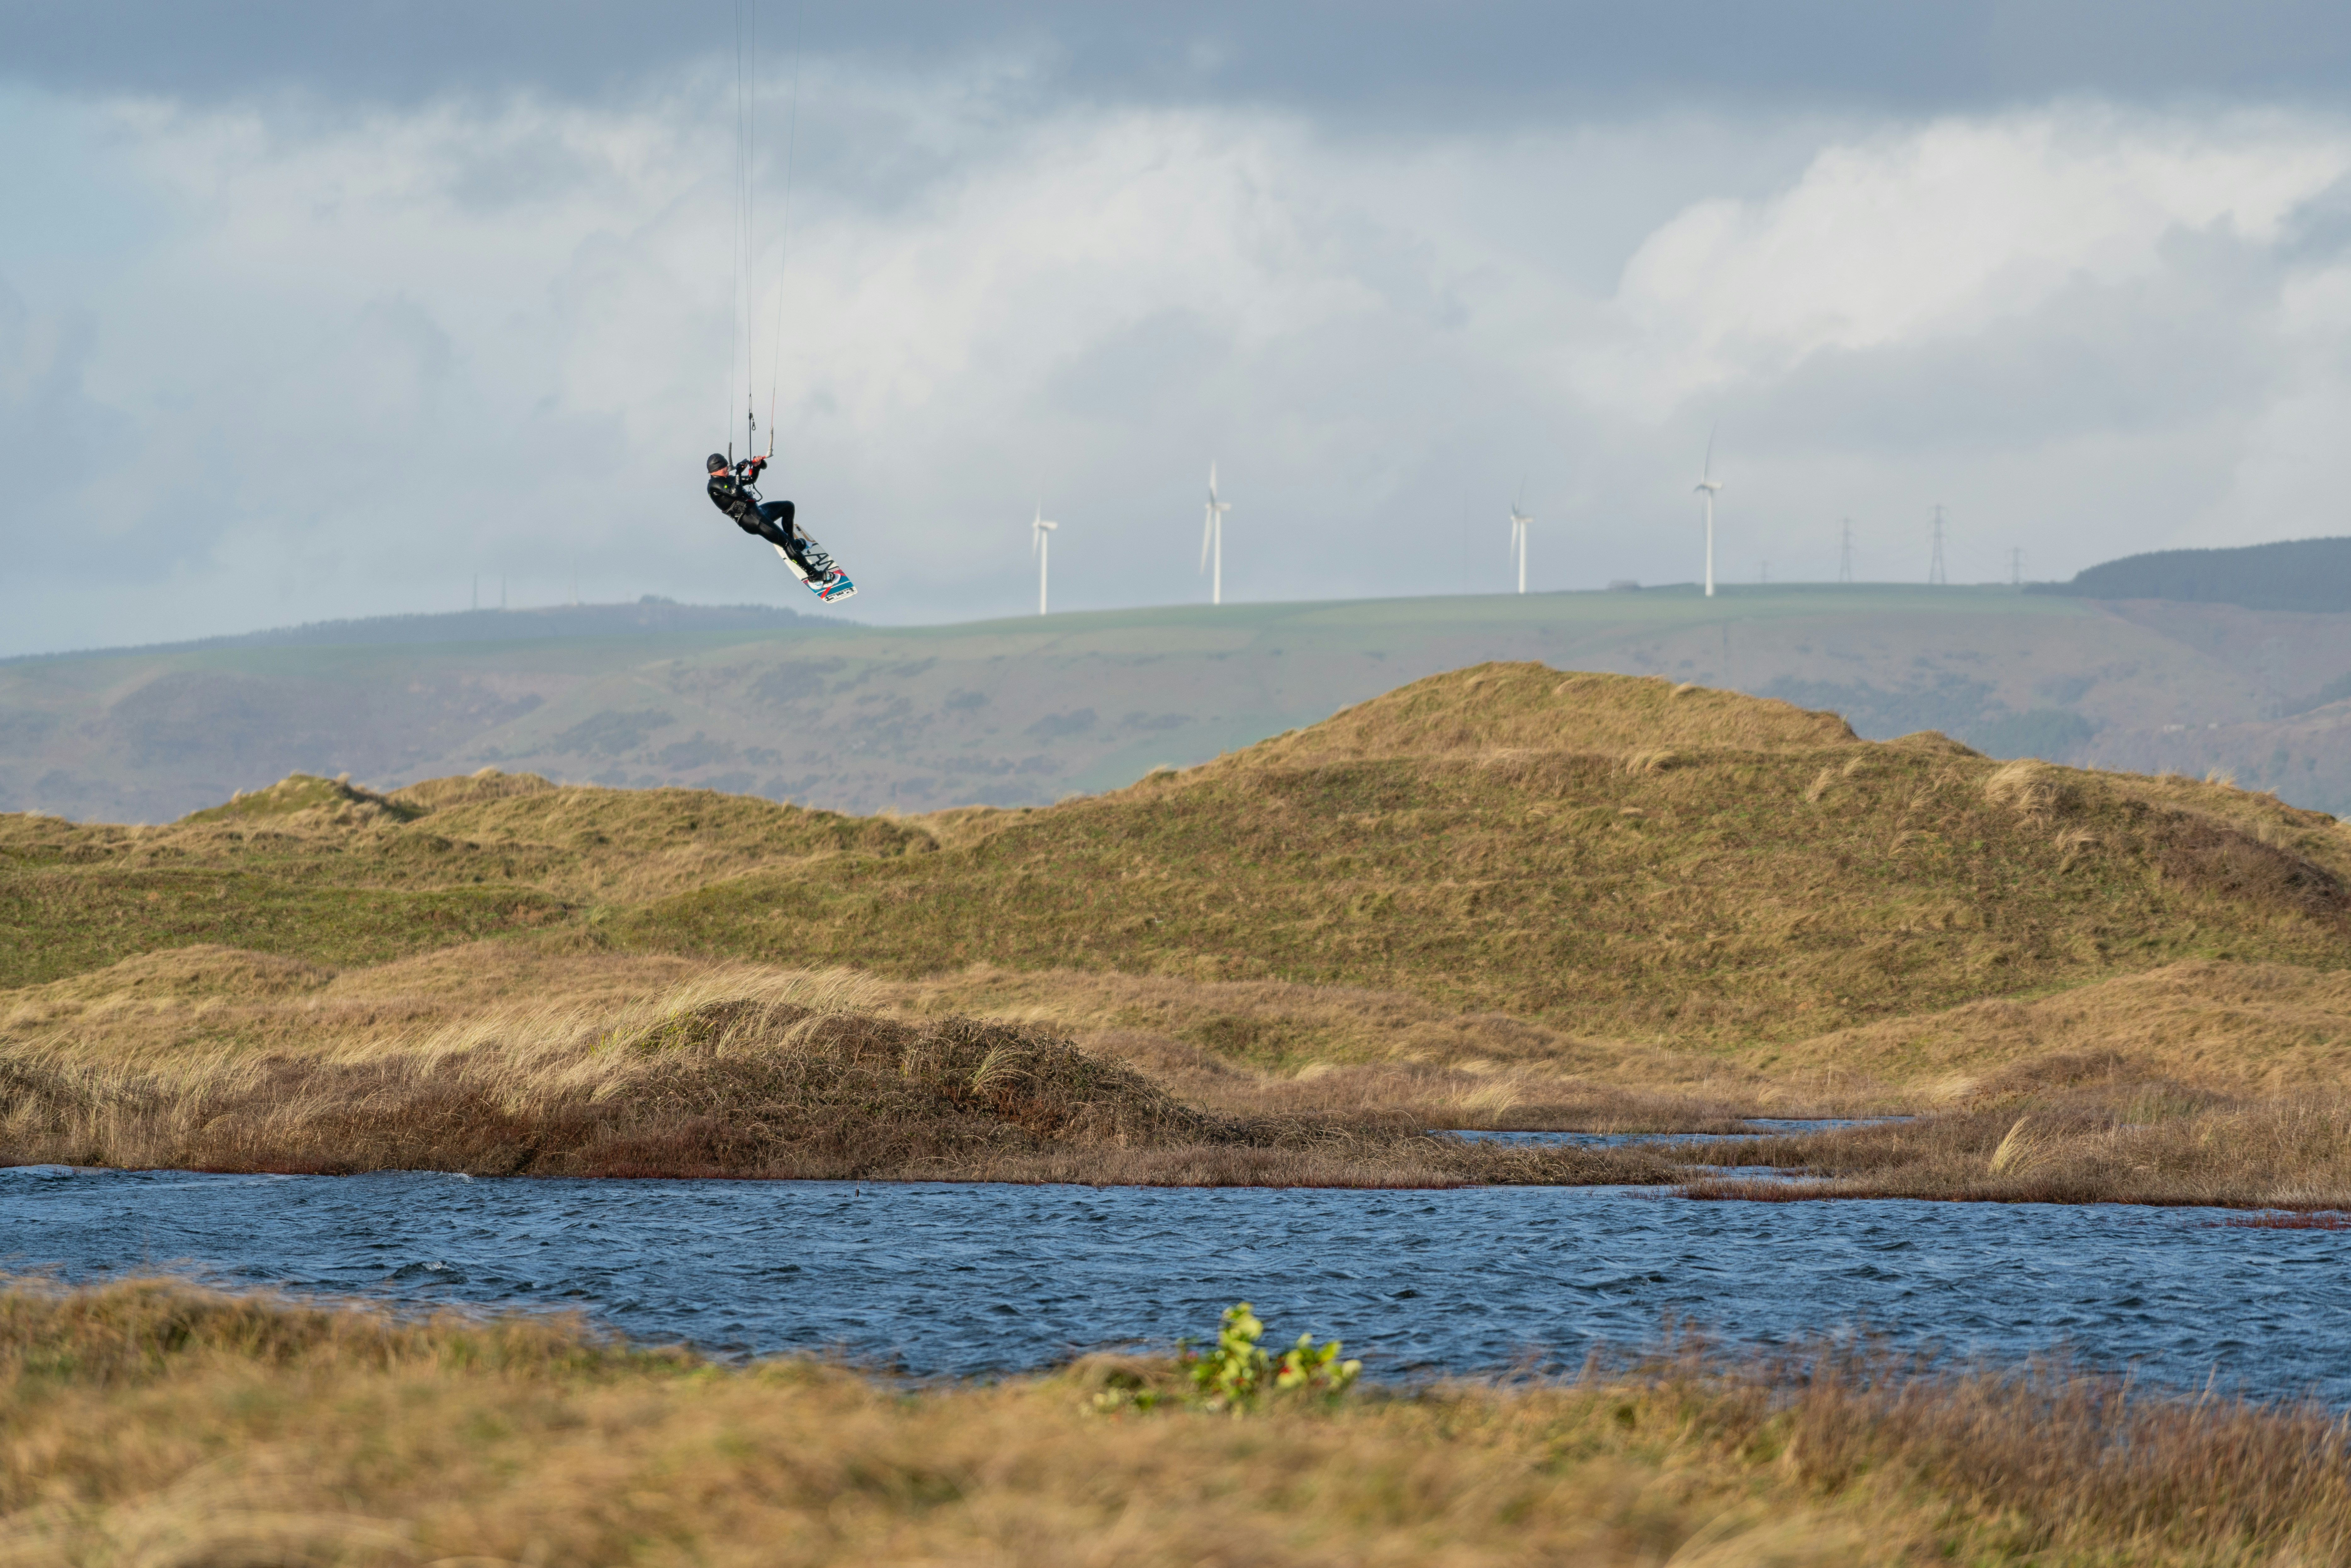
(732, 492)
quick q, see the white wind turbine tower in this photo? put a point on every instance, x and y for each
(1212, 539)
(1519, 522)
(1039, 545)
(1707, 486)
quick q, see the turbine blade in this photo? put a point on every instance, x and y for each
(1206, 529)
(1707, 472)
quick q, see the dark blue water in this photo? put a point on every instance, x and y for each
(974, 1279)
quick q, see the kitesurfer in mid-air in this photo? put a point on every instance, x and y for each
(734, 490)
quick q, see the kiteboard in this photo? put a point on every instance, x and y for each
(828, 584)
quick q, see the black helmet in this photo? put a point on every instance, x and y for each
(718, 461)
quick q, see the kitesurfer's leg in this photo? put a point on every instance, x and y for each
(775, 528)
(778, 516)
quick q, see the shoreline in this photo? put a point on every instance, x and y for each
(2265, 1214)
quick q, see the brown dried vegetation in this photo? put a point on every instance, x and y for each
(150, 1422)
(732, 1072)
(2082, 1129)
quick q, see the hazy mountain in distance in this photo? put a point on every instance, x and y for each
(2310, 575)
(653, 614)
(1028, 710)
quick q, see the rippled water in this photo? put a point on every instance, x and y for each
(971, 1278)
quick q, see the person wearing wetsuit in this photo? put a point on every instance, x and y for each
(734, 490)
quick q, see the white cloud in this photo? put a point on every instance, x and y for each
(1943, 231)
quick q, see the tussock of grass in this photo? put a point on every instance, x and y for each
(474, 788)
(148, 1422)
(136, 1332)
(311, 800)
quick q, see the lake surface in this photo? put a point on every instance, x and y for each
(935, 1278)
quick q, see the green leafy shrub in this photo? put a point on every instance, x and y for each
(1235, 1372)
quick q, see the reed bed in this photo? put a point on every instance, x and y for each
(152, 1422)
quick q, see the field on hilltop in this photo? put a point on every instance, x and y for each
(1504, 896)
(1030, 710)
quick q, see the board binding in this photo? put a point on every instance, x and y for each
(835, 585)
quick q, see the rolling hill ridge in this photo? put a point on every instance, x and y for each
(1031, 710)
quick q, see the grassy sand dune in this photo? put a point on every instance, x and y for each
(216, 1060)
(148, 1422)
(1688, 896)
(1501, 708)
(1763, 876)
(1505, 896)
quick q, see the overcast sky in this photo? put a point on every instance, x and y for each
(311, 310)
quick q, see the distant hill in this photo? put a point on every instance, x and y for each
(2309, 575)
(1029, 709)
(649, 616)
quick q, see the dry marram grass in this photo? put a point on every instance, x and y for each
(150, 1422)
(727, 1070)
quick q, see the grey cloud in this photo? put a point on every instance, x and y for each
(1386, 62)
(1149, 372)
(54, 438)
(2128, 360)
(532, 168)
(2319, 230)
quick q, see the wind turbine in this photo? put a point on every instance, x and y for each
(1707, 486)
(1212, 539)
(1040, 542)
(1519, 522)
